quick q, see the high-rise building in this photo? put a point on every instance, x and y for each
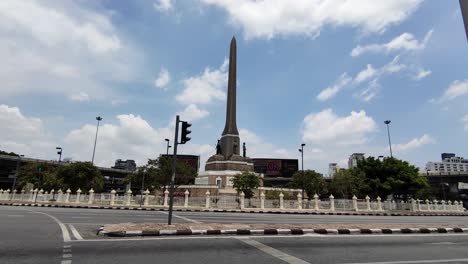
(125, 165)
(332, 169)
(354, 158)
(450, 163)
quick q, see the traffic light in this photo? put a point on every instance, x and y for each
(185, 132)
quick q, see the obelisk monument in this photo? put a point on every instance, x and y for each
(227, 162)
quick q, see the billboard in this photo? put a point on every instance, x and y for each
(192, 161)
(276, 167)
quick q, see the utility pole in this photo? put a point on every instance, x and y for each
(301, 150)
(18, 161)
(464, 10)
(98, 118)
(387, 122)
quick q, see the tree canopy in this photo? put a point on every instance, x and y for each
(347, 183)
(40, 174)
(158, 172)
(81, 175)
(246, 182)
(310, 181)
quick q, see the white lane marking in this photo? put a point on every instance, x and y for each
(273, 251)
(15, 215)
(66, 255)
(75, 232)
(80, 217)
(65, 233)
(94, 224)
(67, 250)
(181, 217)
(66, 246)
(66, 261)
(414, 261)
(153, 219)
(441, 243)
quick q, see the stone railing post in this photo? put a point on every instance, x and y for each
(428, 206)
(393, 205)
(166, 198)
(418, 203)
(60, 195)
(78, 194)
(355, 207)
(413, 205)
(13, 194)
(379, 204)
(112, 197)
(1, 194)
(207, 199)
(332, 202)
(41, 193)
(449, 205)
(368, 203)
(146, 199)
(455, 206)
(22, 195)
(31, 193)
(299, 201)
(436, 205)
(281, 197)
(52, 196)
(128, 197)
(242, 200)
(316, 202)
(461, 208)
(262, 200)
(46, 196)
(7, 194)
(186, 198)
(444, 205)
(91, 196)
(67, 195)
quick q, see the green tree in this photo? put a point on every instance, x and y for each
(40, 174)
(246, 182)
(158, 172)
(81, 175)
(392, 176)
(347, 183)
(310, 181)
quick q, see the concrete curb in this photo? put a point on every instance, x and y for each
(73, 205)
(243, 232)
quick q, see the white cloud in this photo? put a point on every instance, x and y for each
(366, 74)
(421, 74)
(163, 5)
(257, 147)
(465, 121)
(374, 75)
(331, 91)
(414, 144)
(405, 41)
(80, 97)
(23, 135)
(163, 79)
(193, 113)
(326, 127)
(456, 89)
(62, 48)
(267, 19)
(131, 138)
(206, 87)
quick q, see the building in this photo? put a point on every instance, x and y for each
(276, 172)
(129, 165)
(449, 164)
(333, 168)
(447, 155)
(354, 158)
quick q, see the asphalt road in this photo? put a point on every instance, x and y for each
(65, 235)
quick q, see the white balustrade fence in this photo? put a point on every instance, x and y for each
(228, 201)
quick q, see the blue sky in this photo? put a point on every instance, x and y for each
(323, 72)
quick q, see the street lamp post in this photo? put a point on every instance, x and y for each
(387, 122)
(98, 118)
(301, 150)
(59, 152)
(142, 187)
(167, 148)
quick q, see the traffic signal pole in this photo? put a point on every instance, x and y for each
(174, 157)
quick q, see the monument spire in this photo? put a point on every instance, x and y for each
(231, 123)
